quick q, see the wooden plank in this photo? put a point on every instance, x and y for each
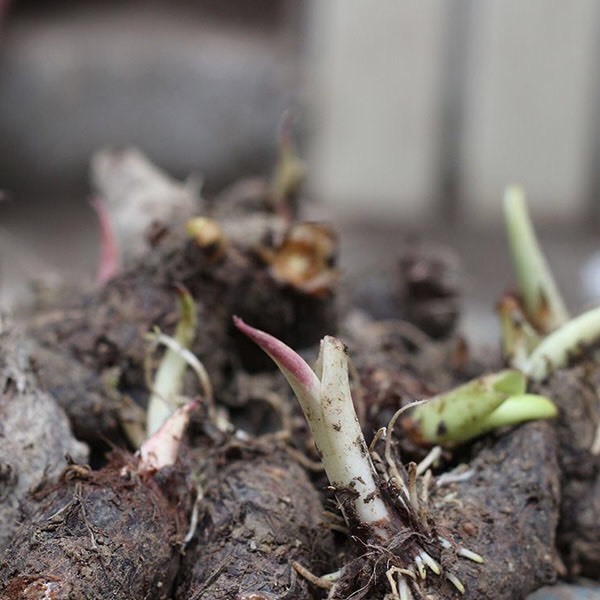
(529, 106)
(375, 88)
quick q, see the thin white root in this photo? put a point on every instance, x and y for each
(448, 478)
(470, 555)
(431, 562)
(194, 517)
(381, 433)
(456, 582)
(192, 361)
(433, 455)
(412, 486)
(393, 586)
(333, 577)
(393, 468)
(425, 490)
(408, 573)
(460, 551)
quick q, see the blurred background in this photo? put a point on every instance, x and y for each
(413, 116)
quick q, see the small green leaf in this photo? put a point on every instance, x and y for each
(453, 416)
(519, 409)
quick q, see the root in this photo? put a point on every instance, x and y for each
(417, 548)
(325, 582)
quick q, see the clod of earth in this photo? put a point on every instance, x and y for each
(92, 354)
(261, 513)
(35, 435)
(106, 534)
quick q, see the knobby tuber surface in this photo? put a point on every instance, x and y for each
(506, 511)
(34, 432)
(261, 513)
(575, 392)
(105, 534)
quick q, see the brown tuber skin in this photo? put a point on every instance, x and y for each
(106, 534)
(574, 390)
(92, 352)
(34, 432)
(261, 514)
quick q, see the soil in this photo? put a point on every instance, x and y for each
(91, 355)
(259, 502)
(507, 512)
(503, 504)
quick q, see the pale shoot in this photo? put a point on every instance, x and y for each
(327, 404)
(561, 346)
(542, 301)
(168, 380)
(160, 450)
(519, 409)
(289, 171)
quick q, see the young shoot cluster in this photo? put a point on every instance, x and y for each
(538, 334)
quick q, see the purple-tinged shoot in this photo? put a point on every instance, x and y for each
(161, 449)
(109, 264)
(327, 405)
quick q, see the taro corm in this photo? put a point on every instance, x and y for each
(112, 533)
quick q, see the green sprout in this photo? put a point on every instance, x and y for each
(541, 299)
(560, 347)
(475, 408)
(538, 336)
(166, 388)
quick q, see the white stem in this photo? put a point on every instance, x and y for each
(327, 405)
(168, 380)
(167, 385)
(339, 437)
